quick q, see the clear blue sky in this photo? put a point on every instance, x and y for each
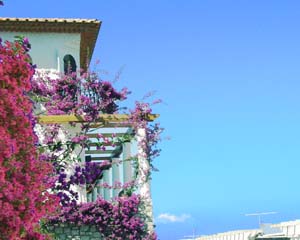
(228, 72)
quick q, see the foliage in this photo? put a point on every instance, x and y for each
(25, 162)
(87, 95)
(117, 220)
(24, 198)
(86, 175)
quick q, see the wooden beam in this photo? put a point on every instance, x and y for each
(101, 158)
(103, 118)
(99, 151)
(113, 153)
(93, 144)
(51, 119)
(95, 135)
(110, 125)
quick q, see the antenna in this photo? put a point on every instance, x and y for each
(259, 215)
(191, 237)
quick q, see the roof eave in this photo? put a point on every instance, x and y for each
(88, 29)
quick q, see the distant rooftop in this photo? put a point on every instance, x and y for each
(88, 29)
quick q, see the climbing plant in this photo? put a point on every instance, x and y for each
(85, 94)
(24, 198)
(35, 171)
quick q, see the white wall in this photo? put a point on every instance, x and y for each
(232, 235)
(288, 229)
(46, 48)
(291, 228)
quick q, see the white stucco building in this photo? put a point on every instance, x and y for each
(279, 231)
(54, 38)
(56, 42)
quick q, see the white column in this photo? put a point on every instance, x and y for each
(58, 63)
(100, 190)
(115, 176)
(106, 179)
(127, 167)
(142, 179)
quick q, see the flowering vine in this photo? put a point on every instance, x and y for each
(24, 198)
(87, 95)
(55, 163)
(116, 220)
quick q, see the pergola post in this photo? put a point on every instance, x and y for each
(127, 167)
(107, 180)
(143, 172)
(115, 176)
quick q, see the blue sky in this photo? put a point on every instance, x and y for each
(228, 73)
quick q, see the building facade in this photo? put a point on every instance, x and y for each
(59, 44)
(284, 230)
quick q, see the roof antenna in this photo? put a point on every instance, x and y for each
(259, 215)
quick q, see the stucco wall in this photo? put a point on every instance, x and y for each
(232, 235)
(46, 48)
(289, 229)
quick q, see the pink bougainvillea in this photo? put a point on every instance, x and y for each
(28, 169)
(23, 196)
(87, 95)
(117, 220)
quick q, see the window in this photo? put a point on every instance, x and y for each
(69, 64)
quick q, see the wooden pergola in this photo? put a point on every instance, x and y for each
(106, 124)
(104, 121)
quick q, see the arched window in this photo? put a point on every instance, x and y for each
(69, 64)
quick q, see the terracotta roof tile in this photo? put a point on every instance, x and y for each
(65, 20)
